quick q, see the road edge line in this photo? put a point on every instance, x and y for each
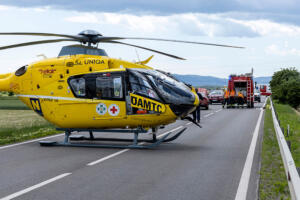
(242, 190)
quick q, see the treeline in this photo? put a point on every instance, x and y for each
(285, 86)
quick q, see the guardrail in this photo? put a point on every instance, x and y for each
(288, 161)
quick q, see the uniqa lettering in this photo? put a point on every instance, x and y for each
(89, 62)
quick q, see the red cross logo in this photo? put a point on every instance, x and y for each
(113, 110)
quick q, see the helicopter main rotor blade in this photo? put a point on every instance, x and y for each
(35, 43)
(40, 34)
(160, 52)
(182, 41)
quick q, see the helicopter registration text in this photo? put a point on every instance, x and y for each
(146, 104)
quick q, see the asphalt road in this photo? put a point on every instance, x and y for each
(202, 163)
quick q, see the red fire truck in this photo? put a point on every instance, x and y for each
(243, 83)
(265, 90)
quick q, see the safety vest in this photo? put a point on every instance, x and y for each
(240, 95)
(232, 93)
(226, 94)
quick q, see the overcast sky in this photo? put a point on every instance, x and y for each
(270, 31)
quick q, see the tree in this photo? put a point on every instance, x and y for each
(293, 92)
(285, 86)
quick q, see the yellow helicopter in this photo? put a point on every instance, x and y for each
(85, 90)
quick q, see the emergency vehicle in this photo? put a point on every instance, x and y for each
(243, 83)
(265, 90)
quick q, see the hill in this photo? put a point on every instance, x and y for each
(198, 80)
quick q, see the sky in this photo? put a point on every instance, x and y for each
(269, 30)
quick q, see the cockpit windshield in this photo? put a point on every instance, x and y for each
(83, 50)
(171, 90)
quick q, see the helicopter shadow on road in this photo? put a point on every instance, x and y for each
(182, 147)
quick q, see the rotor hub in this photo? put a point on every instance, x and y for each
(89, 37)
(89, 33)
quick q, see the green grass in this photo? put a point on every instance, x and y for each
(18, 123)
(273, 182)
(12, 103)
(287, 115)
(21, 125)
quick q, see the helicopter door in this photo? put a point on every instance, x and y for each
(141, 97)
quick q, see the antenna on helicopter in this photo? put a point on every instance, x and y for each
(137, 55)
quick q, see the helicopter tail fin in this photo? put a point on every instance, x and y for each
(5, 82)
(145, 61)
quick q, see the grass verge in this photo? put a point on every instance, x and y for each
(11, 135)
(273, 182)
(287, 115)
(21, 125)
(11, 103)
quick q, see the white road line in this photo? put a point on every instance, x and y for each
(188, 123)
(17, 194)
(218, 110)
(241, 193)
(107, 157)
(208, 115)
(30, 141)
(163, 134)
(125, 150)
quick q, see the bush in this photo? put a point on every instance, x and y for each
(285, 86)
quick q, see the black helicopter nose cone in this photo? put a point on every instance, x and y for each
(90, 33)
(181, 110)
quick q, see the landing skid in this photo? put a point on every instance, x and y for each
(136, 143)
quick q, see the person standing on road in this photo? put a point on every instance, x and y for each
(196, 113)
(240, 99)
(226, 98)
(231, 98)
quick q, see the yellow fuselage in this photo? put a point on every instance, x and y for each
(44, 88)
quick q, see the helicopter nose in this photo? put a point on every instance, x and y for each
(5, 82)
(182, 110)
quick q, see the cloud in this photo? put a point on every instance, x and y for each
(285, 51)
(193, 24)
(266, 27)
(166, 6)
(281, 11)
(85, 18)
(4, 7)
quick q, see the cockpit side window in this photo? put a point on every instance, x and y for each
(169, 89)
(140, 85)
(109, 87)
(78, 86)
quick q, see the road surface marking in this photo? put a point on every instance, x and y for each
(30, 141)
(241, 193)
(218, 110)
(163, 134)
(125, 150)
(17, 194)
(188, 123)
(107, 157)
(208, 115)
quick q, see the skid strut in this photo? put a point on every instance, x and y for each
(136, 143)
